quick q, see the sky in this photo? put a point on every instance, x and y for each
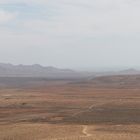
(78, 34)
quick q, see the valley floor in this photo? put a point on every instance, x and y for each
(69, 112)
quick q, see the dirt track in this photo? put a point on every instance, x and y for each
(85, 128)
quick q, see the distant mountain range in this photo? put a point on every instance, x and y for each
(36, 70)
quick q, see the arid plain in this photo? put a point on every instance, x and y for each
(104, 108)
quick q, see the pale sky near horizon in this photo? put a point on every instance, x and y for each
(70, 33)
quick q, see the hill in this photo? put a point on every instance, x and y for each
(113, 81)
(9, 70)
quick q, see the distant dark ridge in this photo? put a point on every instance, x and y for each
(130, 72)
(36, 70)
(117, 78)
(112, 81)
(117, 81)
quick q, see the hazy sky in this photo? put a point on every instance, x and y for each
(70, 33)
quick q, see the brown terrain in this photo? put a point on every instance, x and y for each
(101, 108)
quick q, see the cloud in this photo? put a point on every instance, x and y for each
(23, 1)
(6, 16)
(94, 31)
(84, 18)
(88, 18)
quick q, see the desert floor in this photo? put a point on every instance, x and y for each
(69, 111)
